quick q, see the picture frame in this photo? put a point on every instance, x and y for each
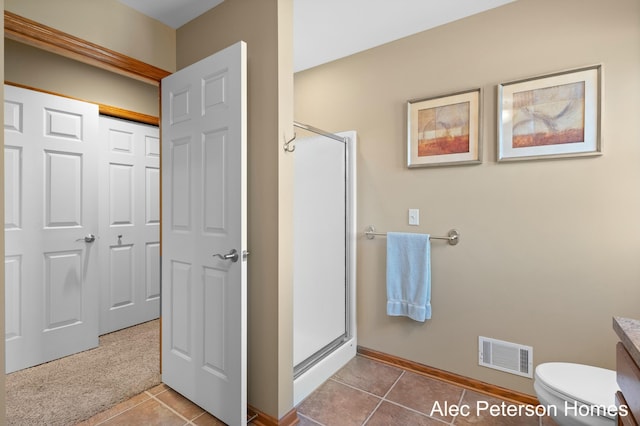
(444, 130)
(551, 116)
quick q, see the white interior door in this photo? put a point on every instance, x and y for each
(204, 309)
(51, 277)
(129, 223)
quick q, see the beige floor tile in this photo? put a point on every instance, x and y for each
(115, 410)
(157, 389)
(368, 375)
(503, 414)
(180, 404)
(148, 413)
(390, 414)
(334, 403)
(206, 419)
(304, 421)
(424, 394)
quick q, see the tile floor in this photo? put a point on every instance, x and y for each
(367, 392)
(157, 406)
(364, 392)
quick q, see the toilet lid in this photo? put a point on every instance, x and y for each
(582, 383)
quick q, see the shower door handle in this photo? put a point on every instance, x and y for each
(232, 255)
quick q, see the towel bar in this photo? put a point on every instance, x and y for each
(453, 237)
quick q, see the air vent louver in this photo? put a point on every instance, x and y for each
(505, 356)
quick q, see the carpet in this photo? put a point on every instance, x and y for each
(69, 390)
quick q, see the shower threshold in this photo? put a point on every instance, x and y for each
(308, 363)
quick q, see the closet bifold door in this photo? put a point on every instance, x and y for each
(51, 211)
(129, 223)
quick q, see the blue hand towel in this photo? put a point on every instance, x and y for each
(409, 275)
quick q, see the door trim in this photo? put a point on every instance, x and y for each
(43, 37)
(35, 34)
(103, 109)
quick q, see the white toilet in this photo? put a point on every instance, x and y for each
(581, 394)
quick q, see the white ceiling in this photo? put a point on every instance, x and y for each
(174, 13)
(326, 30)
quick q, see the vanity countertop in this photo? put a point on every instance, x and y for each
(629, 332)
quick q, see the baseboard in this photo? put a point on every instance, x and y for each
(465, 382)
(291, 418)
(259, 418)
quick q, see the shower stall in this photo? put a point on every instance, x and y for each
(324, 291)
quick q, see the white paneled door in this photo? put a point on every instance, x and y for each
(204, 237)
(51, 278)
(129, 223)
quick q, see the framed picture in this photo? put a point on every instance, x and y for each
(444, 130)
(551, 116)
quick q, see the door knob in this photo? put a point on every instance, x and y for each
(232, 255)
(89, 238)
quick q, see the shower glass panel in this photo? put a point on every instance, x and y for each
(321, 274)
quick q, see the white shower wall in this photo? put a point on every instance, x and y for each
(324, 258)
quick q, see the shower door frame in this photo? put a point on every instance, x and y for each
(315, 369)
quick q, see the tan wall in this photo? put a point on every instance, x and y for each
(270, 118)
(24, 65)
(549, 249)
(108, 23)
(285, 217)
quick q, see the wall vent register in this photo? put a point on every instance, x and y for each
(505, 356)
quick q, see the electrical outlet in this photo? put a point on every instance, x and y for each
(414, 217)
